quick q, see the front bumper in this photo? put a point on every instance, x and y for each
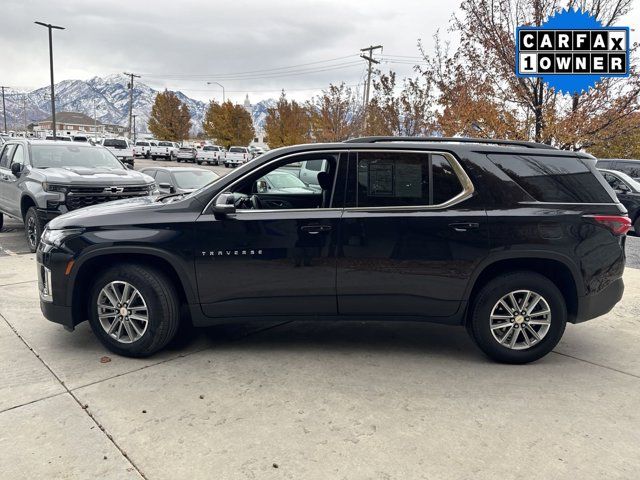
(595, 305)
(53, 285)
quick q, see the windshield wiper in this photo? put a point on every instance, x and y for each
(168, 195)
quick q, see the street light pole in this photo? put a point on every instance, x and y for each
(221, 86)
(134, 128)
(53, 98)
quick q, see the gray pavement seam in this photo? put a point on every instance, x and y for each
(18, 283)
(77, 400)
(32, 401)
(597, 364)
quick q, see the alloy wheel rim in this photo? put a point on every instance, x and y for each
(122, 311)
(32, 233)
(520, 319)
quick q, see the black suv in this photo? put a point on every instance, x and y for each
(510, 239)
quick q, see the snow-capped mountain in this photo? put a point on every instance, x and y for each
(108, 99)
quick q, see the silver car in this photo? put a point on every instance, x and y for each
(180, 179)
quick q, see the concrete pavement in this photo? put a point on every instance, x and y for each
(318, 400)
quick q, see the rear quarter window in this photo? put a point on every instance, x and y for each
(554, 179)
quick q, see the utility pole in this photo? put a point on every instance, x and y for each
(369, 58)
(4, 110)
(134, 129)
(53, 96)
(24, 111)
(132, 76)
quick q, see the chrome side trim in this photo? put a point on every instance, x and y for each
(468, 188)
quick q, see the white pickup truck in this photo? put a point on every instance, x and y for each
(237, 156)
(142, 148)
(121, 148)
(164, 149)
(211, 154)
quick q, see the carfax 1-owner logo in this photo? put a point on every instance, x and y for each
(572, 51)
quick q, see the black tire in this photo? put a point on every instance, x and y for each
(147, 155)
(636, 227)
(154, 158)
(199, 162)
(479, 320)
(33, 228)
(163, 305)
(1, 220)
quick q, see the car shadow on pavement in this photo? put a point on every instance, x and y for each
(373, 337)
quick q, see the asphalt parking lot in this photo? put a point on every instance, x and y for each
(318, 400)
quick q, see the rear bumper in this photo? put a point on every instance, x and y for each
(592, 306)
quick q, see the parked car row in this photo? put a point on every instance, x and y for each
(156, 149)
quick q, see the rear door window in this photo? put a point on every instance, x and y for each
(554, 179)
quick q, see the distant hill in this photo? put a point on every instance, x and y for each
(110, 98)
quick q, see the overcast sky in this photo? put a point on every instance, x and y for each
(182, 44)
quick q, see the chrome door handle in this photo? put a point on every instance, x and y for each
(464, 226)
(315, 229)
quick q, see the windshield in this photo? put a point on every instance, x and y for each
(114, 142)
(285, 180)
(189, 179)
(238, 150)
(60, 156)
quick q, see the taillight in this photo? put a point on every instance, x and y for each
(618, 224)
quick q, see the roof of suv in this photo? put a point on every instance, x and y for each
(49, 142)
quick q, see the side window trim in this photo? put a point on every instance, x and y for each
(468, 188)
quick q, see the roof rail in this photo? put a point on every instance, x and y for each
(486, 141)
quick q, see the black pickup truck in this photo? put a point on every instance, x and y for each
(510, 239)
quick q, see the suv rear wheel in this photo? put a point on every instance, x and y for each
(518, 317)
(1, 221)
(134, 310)
(33, 227)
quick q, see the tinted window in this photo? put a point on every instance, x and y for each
(237, 150)
(392, 179)
(6, 154)
(114, 142)
(163, 177)
(446, 184)
(211, 149)
(630, 168)
(314, 165)
(554, 179)
(142, 144)
(189, 179)
(165, 144)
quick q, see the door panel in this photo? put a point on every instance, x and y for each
(408, 263)
(412, 236)
(268, 263)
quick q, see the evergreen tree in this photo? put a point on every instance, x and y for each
(228, 124)
(170, 118)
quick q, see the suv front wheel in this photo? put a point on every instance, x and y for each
(518, 317)
(33, 227)
(134, 310)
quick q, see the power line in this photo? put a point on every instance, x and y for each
(234, 74)
(307, 71)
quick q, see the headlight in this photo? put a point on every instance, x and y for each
(153, 188)
(58, 237)
(54, 187)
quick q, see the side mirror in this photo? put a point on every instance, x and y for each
(261, 186)
(16, 169)
(224, 205)
(167, 186)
